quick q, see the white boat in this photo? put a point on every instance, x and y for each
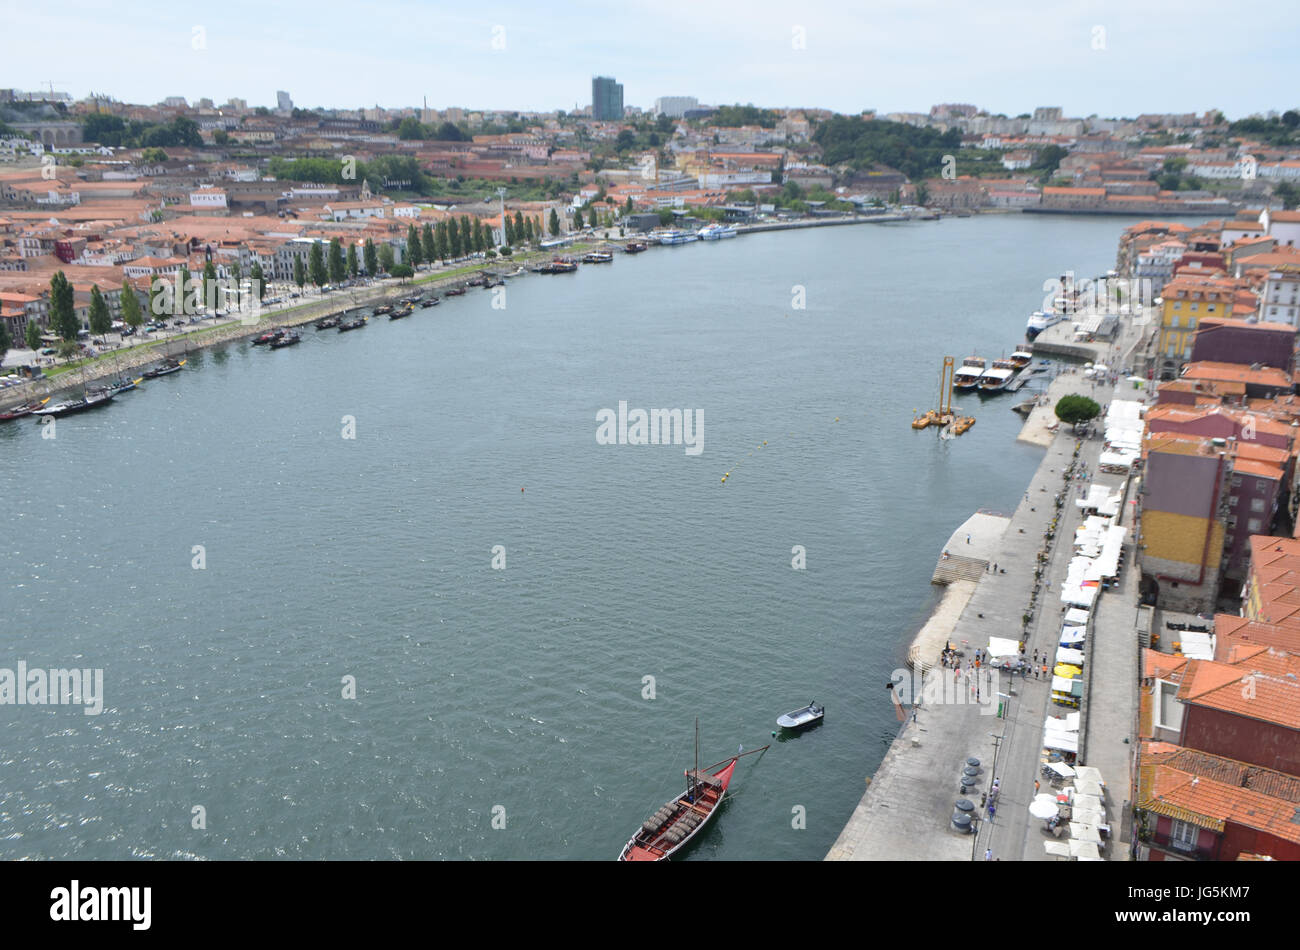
(675, 236)
(1040, 321)
(716, 232)
(1022, 357)
(968, 374)
(811, 713)
(997, 376)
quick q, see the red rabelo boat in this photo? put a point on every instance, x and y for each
(674, 825)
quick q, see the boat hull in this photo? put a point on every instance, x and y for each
(651, 846)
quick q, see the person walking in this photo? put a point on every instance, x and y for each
(988, 854)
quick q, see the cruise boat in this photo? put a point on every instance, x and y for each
(634, 247)
(1040, 321)
(597, 257)
(997, 376)
(968, 374)
(1022, 357)
(717, 232)
(676, 236)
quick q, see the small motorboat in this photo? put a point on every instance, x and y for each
(802, 717)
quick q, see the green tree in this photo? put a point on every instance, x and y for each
(429, 243)
(1288, 194)
(466, 236)
(63, 315)
(442, 241)
(529, 234)
(100, 321)
(508, 227)
(577, 219)
(554, 224)
(6, 341)
(210, 285)
(336, 263)
(299, 272)
(1075, 409)
(220, 137)
(628, 207)
(129, 306)
(410, 129)
(353, 266)
(33, 336)
(316, 264)
(371, 259)
(387, 259)
(480, 236)
(403, 271)
(414, 247)
(255, 275)
(159, 303)
(519, 227)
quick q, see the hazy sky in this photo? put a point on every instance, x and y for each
(1109, 58)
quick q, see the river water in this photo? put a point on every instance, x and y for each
(542, 709)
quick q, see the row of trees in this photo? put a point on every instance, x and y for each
(115, 131)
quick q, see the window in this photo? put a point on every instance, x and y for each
(1231, 521)
(1228, 539)
(1254, 525)
(1183, 835)
(1232, 501)
(1195, 307)
(1236, 481)
(1257, 504)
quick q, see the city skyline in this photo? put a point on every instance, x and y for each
(1105, 62)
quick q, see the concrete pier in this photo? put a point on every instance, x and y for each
(907, 809)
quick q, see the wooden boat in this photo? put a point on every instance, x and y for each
(634, 247)
(269, 336)
(88, 401)
(24, 410)
(386, 308)
(968, 374)
(479, 281)
(121, 386)
(289, 339)
(559, 265)
(675, 825)
(454, 292)
(328, 323)
(1022, 357)
(398, 314)
(356, 324)
(165, 368)
(802, 717)
(429, 302)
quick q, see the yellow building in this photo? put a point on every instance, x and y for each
(1186, 301)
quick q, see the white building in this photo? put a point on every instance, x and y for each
(675, 106)
(208, 199)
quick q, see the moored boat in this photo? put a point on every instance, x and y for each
(166, 367)
(385, 308)
(329, 323)
(968, 374)
(717, 232)
(429, 302)
(1040, 321)
(634, 247)
(676, 236)
(289, 339)
(24, 410)
(404, 311)
(356, 324)
(454, 292)
(597, 257)
(997, 376)
(1022, 357)
(88, 401)
(270, 336)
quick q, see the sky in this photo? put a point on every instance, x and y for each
(1103, 58)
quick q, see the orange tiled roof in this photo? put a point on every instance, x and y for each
(1273, 696)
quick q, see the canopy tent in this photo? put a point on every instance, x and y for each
(1061, 741)
(1088, 816)
(1196, 646)
(1087, 773)
(1061, 769)
(1058, 848)
(1081, 832)
(1086, 800)
(1084, 850)
(1000, 646)
(1077, 617)
(1061, 684)
(1067, 671)
(1073, 637)
(1117, 461)
(1072, 657)
(1090, 788)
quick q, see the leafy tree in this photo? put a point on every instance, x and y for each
(731, 117)
(628, 207)
(403, 271)
(447, 132)
(1288, 194)
(519, 227)
(414, 248)
(922, 193)
(159, 305)
(336, 263)
(481, 241)
(210, 282)
(63, 316)
(220, 137)
(1075, 409)
(429, 243)
(316, 264)
(865, 142)
(129, 306)
(447, 239)
(352, 265)
(387, 260)
(528, 229)
(33, 336)
(255, 275)
(179, 305)
(371, 258)
(466, 236)
(6, 340)
(508, 229)
(1291, 118)
(554, 224)
(100, 321)
(409, 129)
(299, 272)
(577, 219)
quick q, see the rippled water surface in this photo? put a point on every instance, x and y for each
(521, 688)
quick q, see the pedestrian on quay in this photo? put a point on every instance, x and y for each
(988, 854)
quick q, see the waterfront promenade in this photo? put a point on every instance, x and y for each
(905, 813)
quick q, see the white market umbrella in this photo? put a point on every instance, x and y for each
(1043, 806)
